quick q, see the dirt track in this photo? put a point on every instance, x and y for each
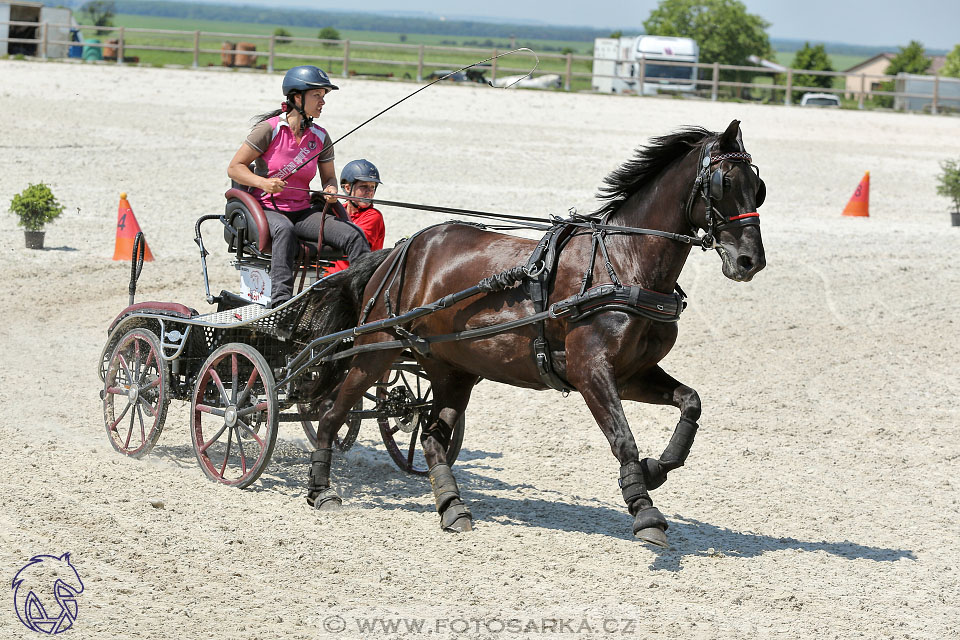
(820, 499)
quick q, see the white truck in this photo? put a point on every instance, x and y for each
(622, 65)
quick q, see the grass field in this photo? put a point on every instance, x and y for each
(371, 60)
(399, 61)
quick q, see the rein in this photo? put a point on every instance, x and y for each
(527, 222)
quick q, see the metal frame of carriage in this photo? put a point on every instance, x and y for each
(242, 367)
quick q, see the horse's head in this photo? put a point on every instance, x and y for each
(730, 192)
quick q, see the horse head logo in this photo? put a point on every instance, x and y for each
(45, 594)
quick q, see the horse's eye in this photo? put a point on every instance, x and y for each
(727, 183)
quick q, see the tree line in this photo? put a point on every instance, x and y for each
(348, 20)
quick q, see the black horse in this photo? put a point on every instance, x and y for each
(684, 182)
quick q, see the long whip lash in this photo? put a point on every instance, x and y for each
(427, 86)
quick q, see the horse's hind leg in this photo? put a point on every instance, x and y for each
(451, 392)
(365, 370)
(598, 387)
(656, 386)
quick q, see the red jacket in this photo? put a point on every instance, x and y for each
(371, 221)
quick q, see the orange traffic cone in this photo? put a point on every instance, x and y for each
(859, 204)
(127, 229)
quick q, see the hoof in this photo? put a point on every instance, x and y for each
(326, 500)
(456, 518)
(654, 475)
(329, 505)
(654, 536)
(460, 525)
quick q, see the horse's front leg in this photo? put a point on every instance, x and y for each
(656, 386)
(594, 378)
(451, 393)
(364, 371)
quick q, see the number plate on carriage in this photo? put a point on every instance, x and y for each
(255, 284)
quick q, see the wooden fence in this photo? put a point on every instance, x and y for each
(417, 62)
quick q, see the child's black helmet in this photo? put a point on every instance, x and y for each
(362, 170)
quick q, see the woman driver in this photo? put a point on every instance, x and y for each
(279, 144)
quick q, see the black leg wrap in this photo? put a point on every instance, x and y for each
(319, 493)
(679, 447)
(638, 500)
(439, 431)
(454, 515)
(654, 474)
(648, 523)
(631, 485)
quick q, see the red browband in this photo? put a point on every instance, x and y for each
(745, 215)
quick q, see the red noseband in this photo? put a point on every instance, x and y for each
(744, 215)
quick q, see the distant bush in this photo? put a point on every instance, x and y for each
(283, 36)
(910, 59)
(950, 182)
(952, 65)
(328, 33)
(815, 59)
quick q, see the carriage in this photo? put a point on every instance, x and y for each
(245, 367)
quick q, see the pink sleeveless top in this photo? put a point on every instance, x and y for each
(282, 155)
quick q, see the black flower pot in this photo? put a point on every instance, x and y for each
(34, 239)
(955, 218)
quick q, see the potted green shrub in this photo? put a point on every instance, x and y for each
(950, 187)
(35, 206)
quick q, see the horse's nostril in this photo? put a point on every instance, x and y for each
(745, 263)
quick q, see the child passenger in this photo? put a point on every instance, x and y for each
(360, 178)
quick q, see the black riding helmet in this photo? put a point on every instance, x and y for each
(304, 78)
(362, 170)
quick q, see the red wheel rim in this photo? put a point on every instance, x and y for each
(231, 419)
(136, 376)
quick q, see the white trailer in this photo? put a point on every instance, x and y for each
(621, 65)
(58, 19)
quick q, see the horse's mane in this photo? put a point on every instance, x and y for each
(647, 163)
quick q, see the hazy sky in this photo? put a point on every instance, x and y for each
(935, 23)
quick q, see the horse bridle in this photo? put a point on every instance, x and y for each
(709, 185)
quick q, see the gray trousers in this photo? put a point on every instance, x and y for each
(287, 228)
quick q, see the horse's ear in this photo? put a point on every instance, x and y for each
(730, 139)
(66, 556)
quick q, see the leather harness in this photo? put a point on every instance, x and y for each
(633, 299)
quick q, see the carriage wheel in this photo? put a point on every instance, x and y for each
(401, 435)
(233, 417)
(137, 379)
(343, 440)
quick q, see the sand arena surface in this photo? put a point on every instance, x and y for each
(820, 499)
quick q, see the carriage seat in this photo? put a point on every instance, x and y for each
(247, 233)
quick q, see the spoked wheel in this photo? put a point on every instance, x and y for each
(137, 384)
(343, 439)
(407, 391)
(233, 417)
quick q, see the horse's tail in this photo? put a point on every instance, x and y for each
(337, 301)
